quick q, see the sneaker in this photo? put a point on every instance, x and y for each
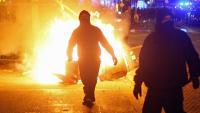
(88, 102)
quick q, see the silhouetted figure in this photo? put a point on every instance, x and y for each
(163, 59)
(87, 38)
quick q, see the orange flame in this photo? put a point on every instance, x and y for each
(50, 54)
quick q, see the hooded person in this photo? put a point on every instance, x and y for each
(162, 66)
(87, 38)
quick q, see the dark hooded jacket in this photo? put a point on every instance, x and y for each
(87, 38)
(164, 58)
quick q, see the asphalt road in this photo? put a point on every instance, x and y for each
(18, 96)
(21, 95)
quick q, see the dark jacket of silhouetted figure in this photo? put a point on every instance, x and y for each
(163, 69)
(87, 38)
(163, 59)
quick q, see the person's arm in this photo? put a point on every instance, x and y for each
(193, 61)
(139, 77)
(71, 44)
(107, 46)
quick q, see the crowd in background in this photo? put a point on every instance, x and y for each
(146, 17)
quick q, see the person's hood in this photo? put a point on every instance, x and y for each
(84, 18)
(164, 20)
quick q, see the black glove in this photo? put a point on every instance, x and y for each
(137, 91)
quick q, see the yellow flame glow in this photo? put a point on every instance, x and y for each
(50, 54)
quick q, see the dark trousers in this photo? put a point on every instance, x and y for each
(89, 70)
(171, 100)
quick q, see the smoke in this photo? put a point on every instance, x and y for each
(16, 29)
(31, 23)
(120, 22)
(14, 39)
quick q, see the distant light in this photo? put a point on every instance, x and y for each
(119, 12)
(183, 29)
(119, 20)
(181, 3)
(186, 3)
(102, 2)
(188, 13)
(2, 0)
(141, 4)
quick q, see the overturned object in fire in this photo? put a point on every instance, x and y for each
(71, 73)
(111, 72)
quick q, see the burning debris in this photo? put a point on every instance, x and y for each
(51, 57)
(9, 61)
(45, 59)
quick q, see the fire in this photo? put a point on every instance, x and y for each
(50, 54)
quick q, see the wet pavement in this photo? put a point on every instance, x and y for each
(20, 95)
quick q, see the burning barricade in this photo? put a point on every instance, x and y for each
(106, 72)
(44, 46)
(50, 57)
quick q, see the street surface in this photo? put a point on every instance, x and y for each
(19, 94)
(19, 97)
